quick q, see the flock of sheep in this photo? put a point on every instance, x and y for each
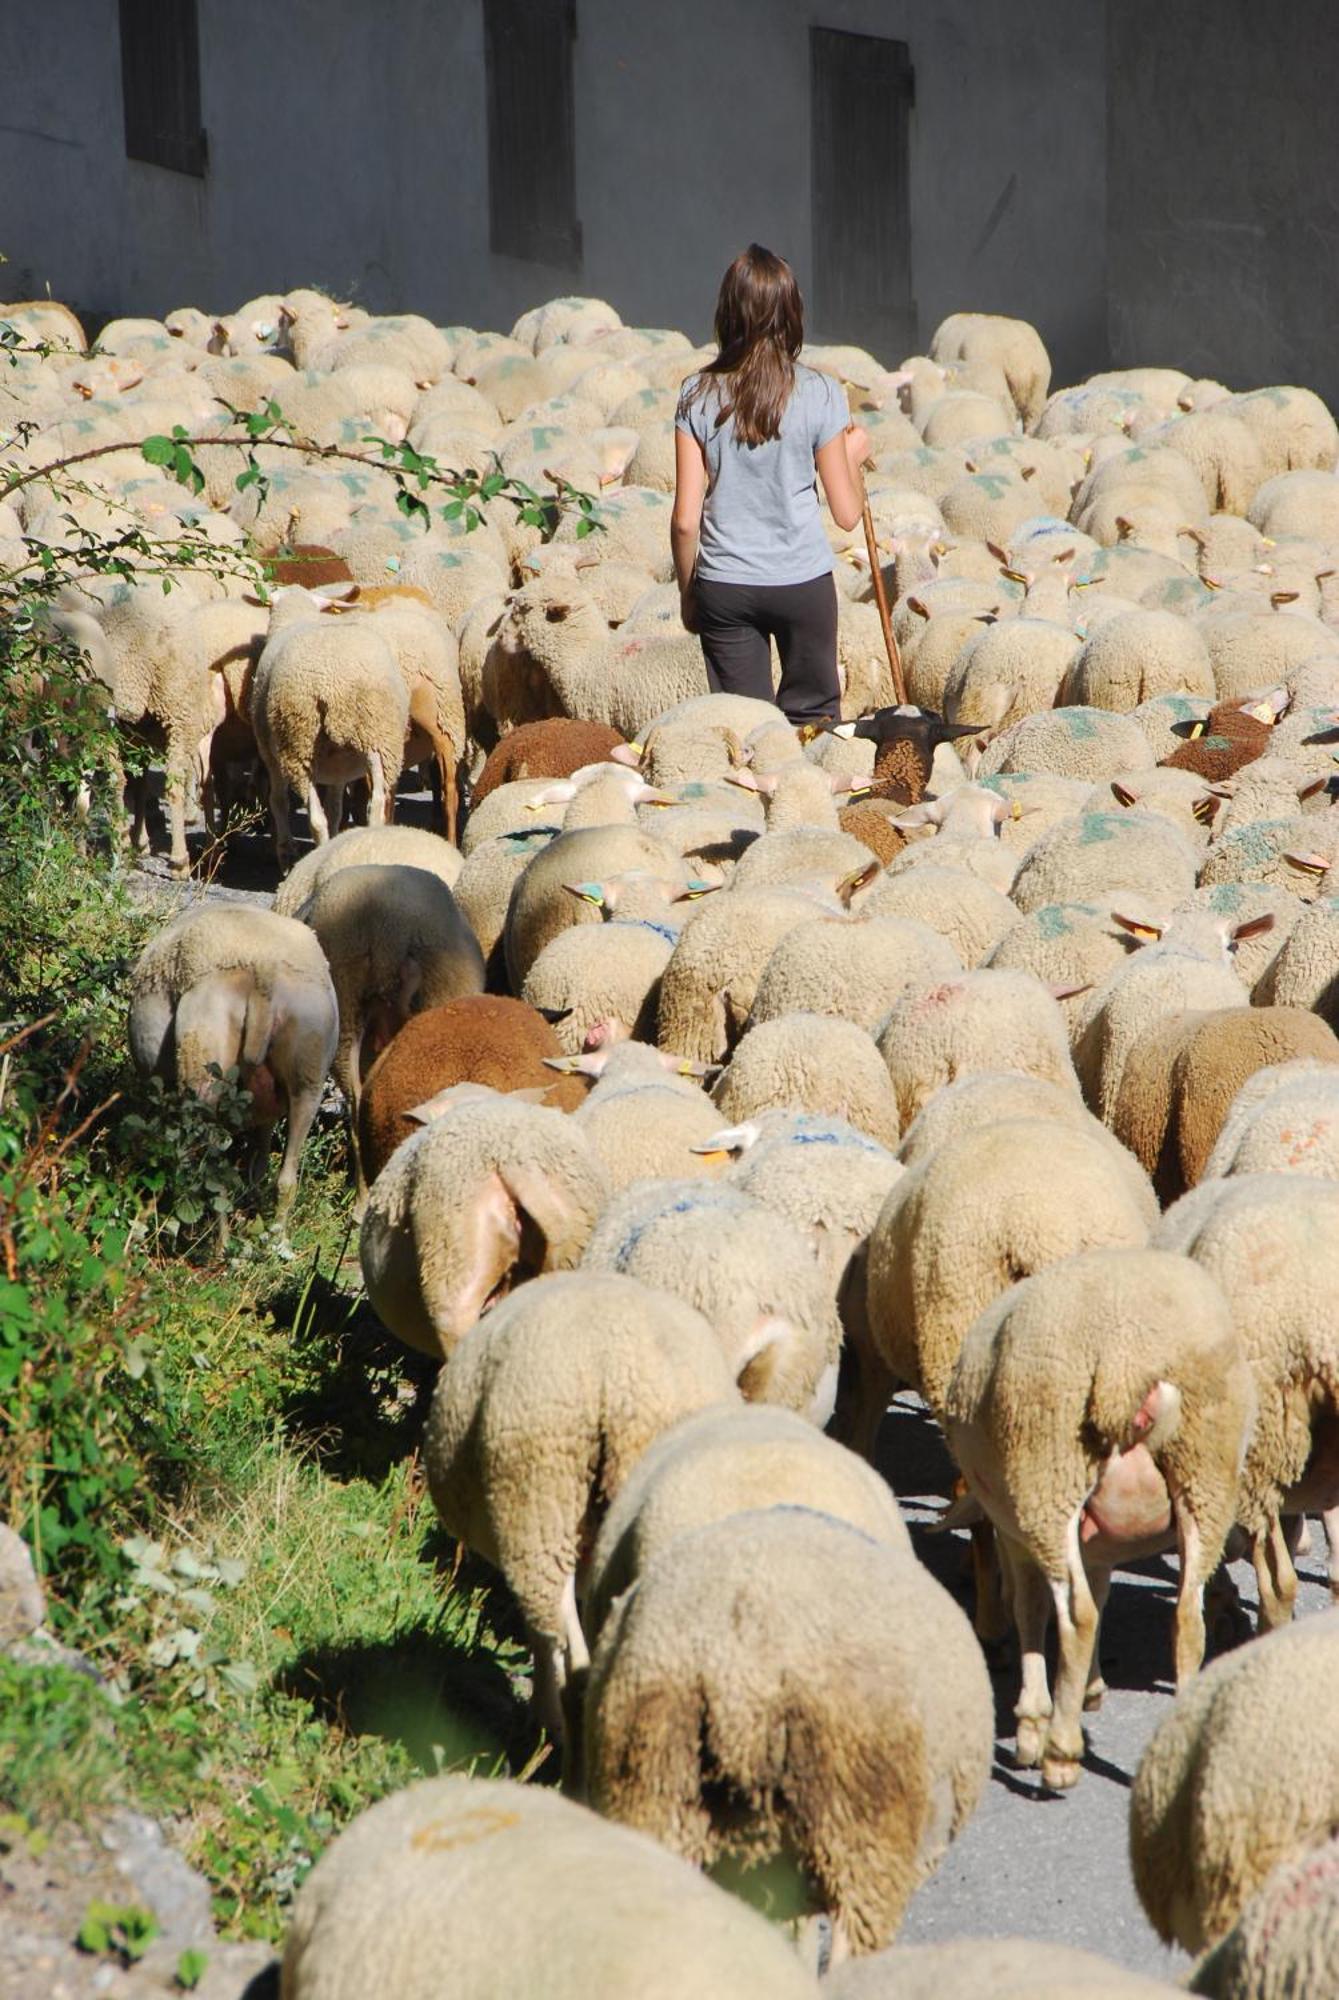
(707, 1085)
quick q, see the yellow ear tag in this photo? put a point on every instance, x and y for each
(1198, 730)
(716, 1155)
(1015, 810)
(640, 748)
(1262, 712)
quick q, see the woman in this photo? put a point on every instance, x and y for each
(750, 554)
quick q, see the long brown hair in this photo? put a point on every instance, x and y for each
(759, 333)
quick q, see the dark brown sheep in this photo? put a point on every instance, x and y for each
(1229, 737)
(552, 749)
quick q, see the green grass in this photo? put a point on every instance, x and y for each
(213, 1455)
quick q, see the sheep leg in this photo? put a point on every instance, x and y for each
(1076, 1617)
(1195, 1565)
(1099, 1582)
(283, 832)
(1297, 1530)
(990, 1620)
(178, 860)
(1275, 1577)
(381, 807)
(1032, 1613)
(1329, 1520)
(316, 814)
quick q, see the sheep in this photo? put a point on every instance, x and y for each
(1230, 1785)
(1293, 428)
(1252, 956)
(426, 654)
(1223, 451)
(329, 704)
(974, 1021)
(514, 808)
(797, 794)
(395, 941)
(536, 1421)
(1281, 1308)
(829, 1181)
(728, 1460)
(1006, 1968)
(744, 1269)
(1194, 808)
(490, 1192)
(1094, 853)
(1165, 718)
(1283, 854)
(1011, 344)
(804, 856)
(967, 911)
(652, 1128)
(1036, 800)
(1251, 650)
(1009, 670)
(851, 967)
(1188, 964)
(481, 1038)
(552, 749)
(986, 1098)
(967, 823)
(1297, 503)
(1090, 743)
(1181, 1076)
(708, 987)
(1285, 1940)
(700, 737)
(417, 1880)
(1070, 947)
(905, 743)
(1095, 1407)
(814, 1063)
(989, 1206)
(780, 1684)
(1231, 735)
(236, 986)
(603, 982)
(364, 846)
(632, 872)
(1282, 1120)
(1305, 972)
(1134, 658)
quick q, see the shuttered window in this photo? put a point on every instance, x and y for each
(862, 92)
(160, 84)
(531, 130)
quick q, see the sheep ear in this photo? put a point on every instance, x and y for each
(1207, 806)
(590, 892)
(1310, 790)
(754, 1365)
(1311, 864)
(692, 889)
(747, 782)
(1188, 731)
(647, 795)
(860, 878)
(1001, 556)
(730, 1139)
(1138, 927)
(581, 1065)
(1252, 927)
(1122, 793)
(739, 753)
(626, 753)
(846, 781)
(1059, 990)
(553, 1015)
(928, 813)
(552, 795)
(434, 1107)
(844, 729)
(950, 732)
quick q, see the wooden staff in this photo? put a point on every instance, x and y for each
(880, 594)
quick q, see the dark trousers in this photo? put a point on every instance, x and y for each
(735, 622)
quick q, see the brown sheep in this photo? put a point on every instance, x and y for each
(1230, 736)
(481, 1038)
(552, 749)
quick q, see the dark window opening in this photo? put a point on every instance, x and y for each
(862, 91)
(531, 130)
(160, 84)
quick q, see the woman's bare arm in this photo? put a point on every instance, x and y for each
(690, 490)
(839, 462)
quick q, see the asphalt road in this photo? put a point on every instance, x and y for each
(1031, 1863)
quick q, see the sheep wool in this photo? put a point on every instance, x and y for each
(415, 1883)
(547, 898)
(1089, 743)
(1133, 658)
(1059, 1384)
(730, 1460)
(490, 1193)
(1286, 1940)
(652, 1128)
(971, 915)
(1094, 853)
(601, 983)
(1230, 1786)
(987, 1097)
(361, 846)
(851, 967)
(742, 1267)
(976, 1021)
(1006, 1968)
(708, 987)
(823, 1682)
(815, 1063)
(1282, 1121)
(538, 1418)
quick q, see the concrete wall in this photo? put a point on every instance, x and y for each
(1223, 213)
(347, 148)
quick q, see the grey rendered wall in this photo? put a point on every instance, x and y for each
(347, 148)
(1224, 221)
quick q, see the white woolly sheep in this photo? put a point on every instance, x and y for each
(815, 1063)
(653, 1128)
(1133, 659)
(329, 704)
(784, 1662)
(601, 984)
(708, 986)
(536, 1421)
(484, 887)
(1006, 1968)
(1014, 346)
(1305, 971)
(744, 1269)
(974, 1021)
(1095, 853)
(1293, 428)
(1094, 1409)
(852, 967)
(968, 912)
(577, 877)
(1230, 1785)
(362, 846)
(1286, 1939)
(1009, 670)
(1253, 650)
(236, 986)
(988, 1097)
(730, 1460)
(1089, 743)
(416, 1883)
(491, 1192)
(1282, 1120)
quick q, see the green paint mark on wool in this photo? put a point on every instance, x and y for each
(1226, 899)
(1053, 922)
(1097, 827)
(1214, 742)
(1081, 724)
(993, 484)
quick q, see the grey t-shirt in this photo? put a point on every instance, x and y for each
(760, 520)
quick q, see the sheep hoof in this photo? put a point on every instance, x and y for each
(1093, 1695)
(1029, 1742)
(1059, 1773)
(179, 867)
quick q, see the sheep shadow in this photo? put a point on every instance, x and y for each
(359, 1398)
